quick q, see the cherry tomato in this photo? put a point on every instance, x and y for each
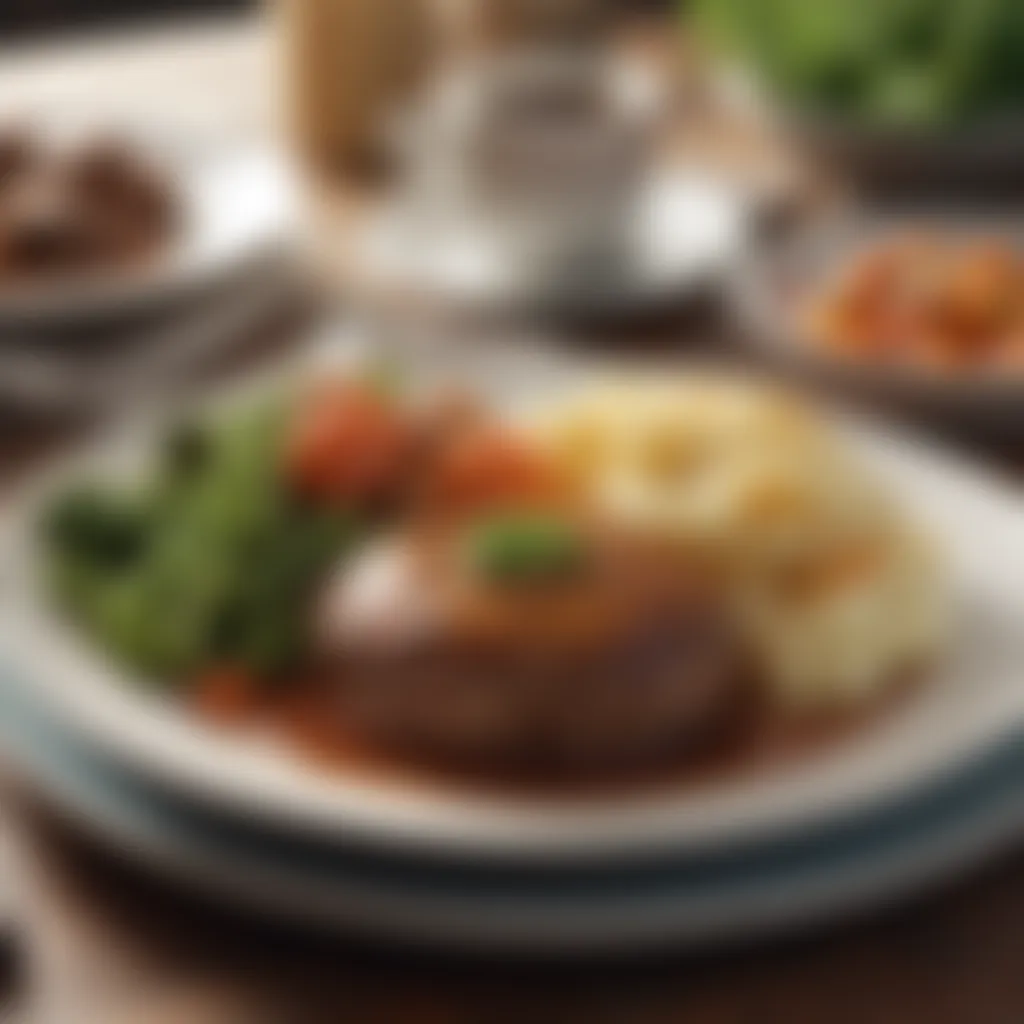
(347, 446)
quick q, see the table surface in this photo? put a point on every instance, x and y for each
(106, 942)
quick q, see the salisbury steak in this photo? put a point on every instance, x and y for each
(532, 644)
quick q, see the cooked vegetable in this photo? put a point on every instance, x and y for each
(100, 529)
(525, 547)
(903, 62)
(350, 445)
(212, 561)
(490, 468)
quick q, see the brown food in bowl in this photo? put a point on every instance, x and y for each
(17, 151)
(98, 206)
(618, 656)
(42, 229)
(109, 178)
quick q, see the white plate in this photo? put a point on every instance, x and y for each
(974, 701)
(238, 204)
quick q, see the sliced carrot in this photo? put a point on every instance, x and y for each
(488, 468)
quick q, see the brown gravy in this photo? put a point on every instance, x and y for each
(762, 739)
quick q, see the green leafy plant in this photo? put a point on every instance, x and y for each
(897, 62)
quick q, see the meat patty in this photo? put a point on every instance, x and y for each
(625, 659)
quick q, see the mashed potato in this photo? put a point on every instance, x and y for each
(839, 595)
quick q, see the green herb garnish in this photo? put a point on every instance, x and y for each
(525, 548)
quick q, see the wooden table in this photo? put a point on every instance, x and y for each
(107, 943)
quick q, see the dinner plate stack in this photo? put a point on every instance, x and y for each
(929, 789)
(567, 904)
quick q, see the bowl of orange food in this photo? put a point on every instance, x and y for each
(926, 311)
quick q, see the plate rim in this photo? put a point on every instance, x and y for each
(858, 889)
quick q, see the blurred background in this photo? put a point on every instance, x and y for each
(38, 18)
(821, 191)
